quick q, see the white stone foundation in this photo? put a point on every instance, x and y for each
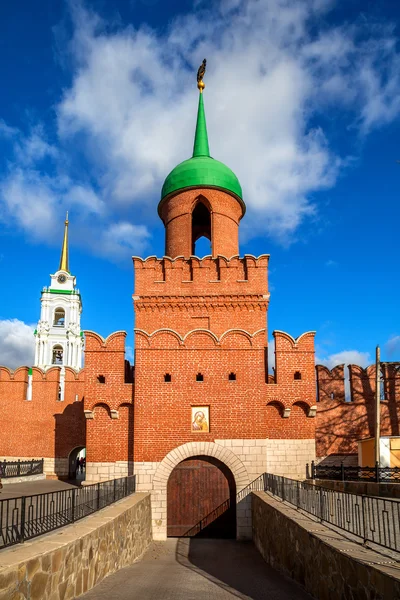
(103, 471)
(289, 457)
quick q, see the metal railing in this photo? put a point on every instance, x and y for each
(354, 473)
(208, 519)
(373, 519)
(30, 516)
(20, 468)
(375, 474)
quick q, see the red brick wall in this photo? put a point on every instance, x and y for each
(108, 439)
(229, 300)
(284, 391)
(43, 426)
(341, 424)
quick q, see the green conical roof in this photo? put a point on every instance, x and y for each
(202, 170)
(200, 146)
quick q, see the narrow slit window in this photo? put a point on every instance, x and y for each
(199, 377)
(101, 379)
(167, 377)
(297, 375)
(232, 376)
(332, 396)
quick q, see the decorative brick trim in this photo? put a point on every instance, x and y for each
(182, 339)
(294, 341)
(312, 411)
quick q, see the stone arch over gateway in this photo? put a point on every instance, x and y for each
(172, 459)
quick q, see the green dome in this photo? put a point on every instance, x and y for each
(201, 170)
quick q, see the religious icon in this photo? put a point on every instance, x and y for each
(200, 419)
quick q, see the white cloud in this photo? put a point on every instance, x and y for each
(273, 67)
(346, 357)
(17, 343)
(120, 236)
(392, 346)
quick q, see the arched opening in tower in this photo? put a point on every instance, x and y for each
(201, 228)
(77, 464)
(201, 499)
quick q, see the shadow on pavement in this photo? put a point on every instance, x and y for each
(238, 568)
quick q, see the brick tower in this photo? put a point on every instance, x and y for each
(200, 336)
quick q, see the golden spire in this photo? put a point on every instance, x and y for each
(64, 250)
(200, 74)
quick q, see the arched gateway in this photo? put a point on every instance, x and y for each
(223, 467)
(201, 499)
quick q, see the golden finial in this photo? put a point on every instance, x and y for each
(64, 250)
(200, 74)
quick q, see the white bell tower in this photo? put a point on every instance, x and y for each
(59, 340)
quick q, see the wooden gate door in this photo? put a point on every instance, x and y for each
(196, 488)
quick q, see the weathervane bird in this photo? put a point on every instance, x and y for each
(200, 74)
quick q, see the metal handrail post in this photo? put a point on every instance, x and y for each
(22, 532)
(363, 502)
(312, 470)
(73, 505)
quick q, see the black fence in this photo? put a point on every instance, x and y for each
(29, 516)
(341, 473)
(373, 519)
(20, 468)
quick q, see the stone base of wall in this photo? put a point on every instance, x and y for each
(289, 457)
(65, 564)
(103, 471)
(324, 562)
(53, 468)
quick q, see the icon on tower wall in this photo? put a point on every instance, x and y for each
(200, 419)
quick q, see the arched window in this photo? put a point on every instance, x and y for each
(232, 377)
(59, 317)
(57, 355)
(167, 378)
(199, 377)
(297, 375)
(201, 227)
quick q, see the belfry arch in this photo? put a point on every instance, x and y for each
(201, 222)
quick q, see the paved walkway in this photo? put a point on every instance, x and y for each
(42, 486)
(198, 569)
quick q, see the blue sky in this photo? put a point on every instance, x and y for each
(99, 102)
